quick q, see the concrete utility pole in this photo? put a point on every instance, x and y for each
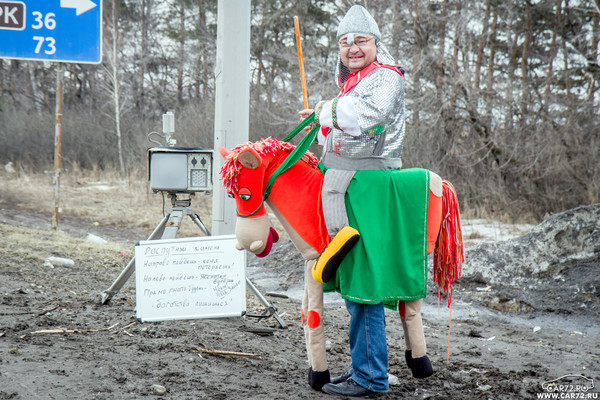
(232, 100)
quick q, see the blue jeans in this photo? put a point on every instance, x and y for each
(368, 346)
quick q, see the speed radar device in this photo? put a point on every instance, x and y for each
(178, 169)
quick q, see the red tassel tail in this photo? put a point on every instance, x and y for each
(448, 253)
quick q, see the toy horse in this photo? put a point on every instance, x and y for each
(251, 175)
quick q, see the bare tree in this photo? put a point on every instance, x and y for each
(113, 86)
(565, 71)
(525, 61)
(455, 50)
(442, 47)
(145, 13)
(181, 51)
(553, 50)
(35, 92)
(481, 47)
(491, 66)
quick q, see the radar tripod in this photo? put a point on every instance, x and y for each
(167, 229)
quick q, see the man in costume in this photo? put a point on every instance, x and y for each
(362, 129)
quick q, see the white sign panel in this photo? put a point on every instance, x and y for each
(188, 278)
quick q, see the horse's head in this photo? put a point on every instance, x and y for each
(248, 172)
(243, 175)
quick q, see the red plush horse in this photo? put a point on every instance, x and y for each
(294, 197)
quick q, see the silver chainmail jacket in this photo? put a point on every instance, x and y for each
(379, 106)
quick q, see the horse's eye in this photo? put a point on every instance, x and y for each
(245, 193)
(230, 195)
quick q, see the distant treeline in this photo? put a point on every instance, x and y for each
(502, 96)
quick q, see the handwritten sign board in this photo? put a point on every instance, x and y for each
(188, 278)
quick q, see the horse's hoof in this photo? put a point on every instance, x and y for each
(408, 358)
(330, 259)
(317, 379)
(421, 367)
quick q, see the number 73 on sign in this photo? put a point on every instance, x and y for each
(51, 30)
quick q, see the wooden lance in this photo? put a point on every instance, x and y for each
(301, 61)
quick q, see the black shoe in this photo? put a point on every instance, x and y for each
(342, 378)
(421, 367)
(347, 388)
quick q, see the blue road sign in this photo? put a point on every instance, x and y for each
(51, 30)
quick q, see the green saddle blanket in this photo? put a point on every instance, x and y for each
(389, 262)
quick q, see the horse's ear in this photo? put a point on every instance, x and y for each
(224, 152)
(250, 159)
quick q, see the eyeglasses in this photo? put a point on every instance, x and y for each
(359, 42)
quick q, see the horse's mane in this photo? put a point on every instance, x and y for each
(231, 168)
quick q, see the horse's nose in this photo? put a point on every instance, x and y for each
(254, 233)
(256, 246)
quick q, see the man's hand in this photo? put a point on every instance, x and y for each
(303, 115)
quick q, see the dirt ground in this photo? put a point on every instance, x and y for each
(58, 342)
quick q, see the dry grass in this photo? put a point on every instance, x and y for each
(99, 196)
(24, 245)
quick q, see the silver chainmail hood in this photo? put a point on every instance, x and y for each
(358, 20)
